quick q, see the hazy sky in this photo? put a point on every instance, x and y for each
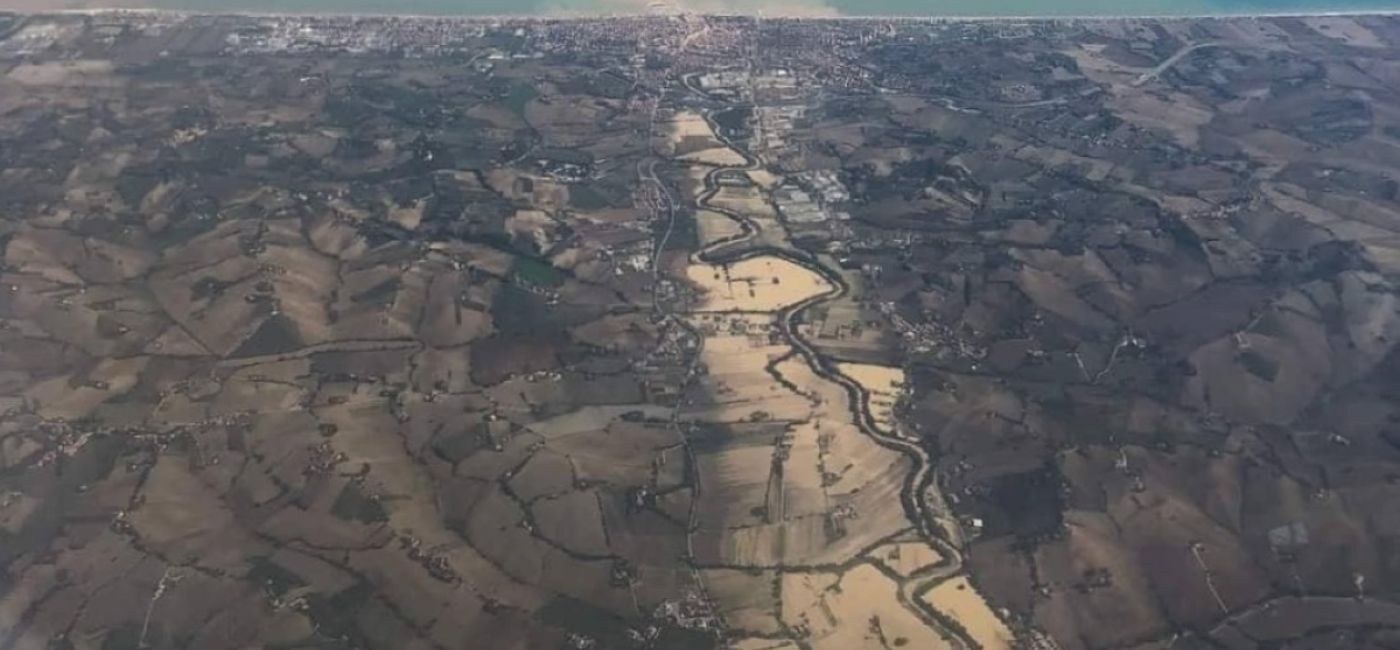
(770, 7)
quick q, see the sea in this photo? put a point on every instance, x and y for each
(920, 8)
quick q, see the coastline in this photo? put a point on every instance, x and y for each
(586, 16)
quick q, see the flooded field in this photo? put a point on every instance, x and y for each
(860, 608)
(957, 598)
(716, 156)
(883, 386)
(715, 227)
(785, 469)
(790, 478)
(758, 284)
(906, 558)
(765, 179)
(690, 138)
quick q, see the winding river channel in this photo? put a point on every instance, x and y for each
(919, 498)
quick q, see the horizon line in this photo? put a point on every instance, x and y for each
(584, 16)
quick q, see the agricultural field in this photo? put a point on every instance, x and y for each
(692, 332)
